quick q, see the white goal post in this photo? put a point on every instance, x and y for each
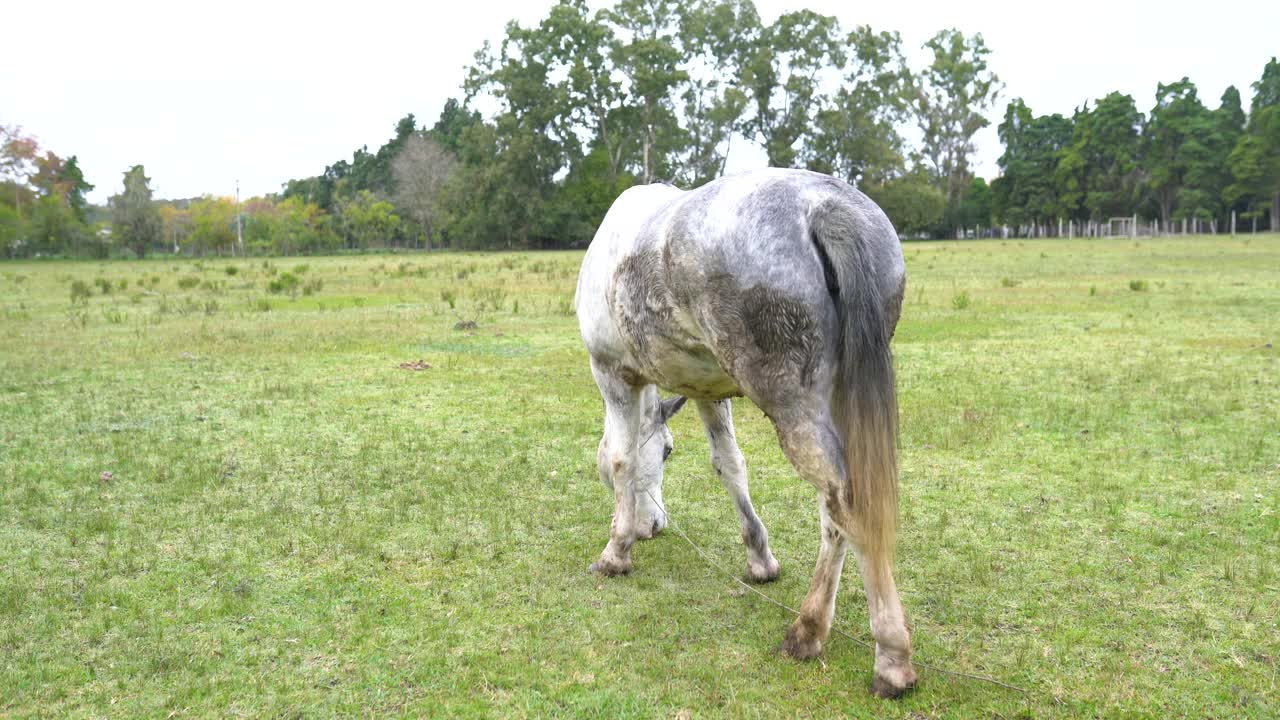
(1122, 227)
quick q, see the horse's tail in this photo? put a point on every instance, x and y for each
(864, 398)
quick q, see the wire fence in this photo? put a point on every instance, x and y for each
(1120, 227)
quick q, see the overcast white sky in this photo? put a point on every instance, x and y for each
(264, 91)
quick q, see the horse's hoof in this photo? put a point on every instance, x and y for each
(760, 573)
(610, 569)
(893, 682)
(798, 646)
(652, 532)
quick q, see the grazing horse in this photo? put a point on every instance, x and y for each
(784, 286)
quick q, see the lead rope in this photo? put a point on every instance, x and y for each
(870, 646)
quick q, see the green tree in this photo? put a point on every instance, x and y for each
(582, 200)
(48, 200)
(647, 52)
(454, 120)
(1254, 162)
(595, 97)
(783, 76)
(533, 136)
(135, 220)
(213, 223)
(469, 195)
(74, 186)
(368, 221)
(1026, 191)
(301, 227)
(1180, 153)
(912, 202)
(714, 35)
(1098, 174)
(42, 205)
(18, 153)
(1255, 168)
(54, 229)
(1266, 91)
(366, 170)
(13, 230)
(949, 99)
(857, 134)
(175, 226)
(974, 209)
(318, 189)
(476, 209)
(1222, 133)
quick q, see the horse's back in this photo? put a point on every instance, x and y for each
(758, 227)
(718, 291)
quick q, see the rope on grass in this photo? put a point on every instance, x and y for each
(870, 646)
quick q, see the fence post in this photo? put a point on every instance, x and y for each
(1233, 223)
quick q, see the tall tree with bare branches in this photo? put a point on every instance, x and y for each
(421, 169)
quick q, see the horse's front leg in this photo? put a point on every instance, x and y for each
(618, 459)
(731, 468)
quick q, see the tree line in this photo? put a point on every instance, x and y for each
(1181, 161)
(586, 103)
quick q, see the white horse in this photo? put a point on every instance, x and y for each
(784, 286)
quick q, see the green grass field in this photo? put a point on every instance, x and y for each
(294, 526)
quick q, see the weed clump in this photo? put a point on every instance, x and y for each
(492, 297)
(286, 283)
(80, 291)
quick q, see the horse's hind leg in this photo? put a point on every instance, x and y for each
(813, 447)
(726, 458)
(618, 458)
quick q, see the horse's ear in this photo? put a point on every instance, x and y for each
(669, 407)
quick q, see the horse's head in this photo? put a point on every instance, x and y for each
(655, 446)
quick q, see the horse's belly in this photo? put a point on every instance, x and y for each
(688, 367)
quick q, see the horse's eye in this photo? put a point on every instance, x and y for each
(666, 453)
